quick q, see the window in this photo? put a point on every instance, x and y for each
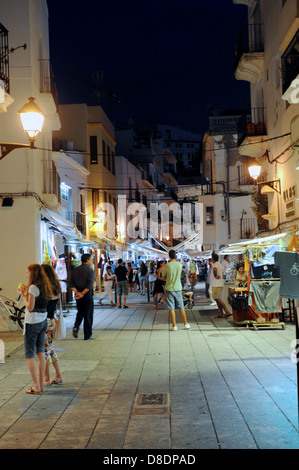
(104, 152)
(210, 215)
(93, 143)
(108, 158)
(95, 200)
(82, 203)
(113, 162)
(64, 192)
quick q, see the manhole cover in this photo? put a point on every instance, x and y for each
(151, 399)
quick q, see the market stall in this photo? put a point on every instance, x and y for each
(259, 302)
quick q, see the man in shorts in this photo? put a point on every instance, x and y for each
(173, 290)
(217, 287)
(122, 283)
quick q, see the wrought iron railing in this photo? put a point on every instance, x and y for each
(290, 63)
(79, 219)
(47, 84)
(4, 59)
(252, 127)
(250, 40)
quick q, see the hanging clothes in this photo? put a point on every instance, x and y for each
(288, 263)
(266, 296)
(255, 253)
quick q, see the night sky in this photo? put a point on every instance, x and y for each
(162, 61)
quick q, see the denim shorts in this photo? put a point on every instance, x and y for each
(34, 338)
(122, 288)
(174, 300)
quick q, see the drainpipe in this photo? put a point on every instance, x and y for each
(227, 185)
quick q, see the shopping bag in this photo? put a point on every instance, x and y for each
(60, 330)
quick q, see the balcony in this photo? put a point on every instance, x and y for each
(171, 196)
(79, 219)
(148, 180)
(170, 174)
(47, 84)
(252, 133)
(290, 71)
(249, 54)
(5, 98)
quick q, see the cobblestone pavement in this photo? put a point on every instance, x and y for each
(137, 385)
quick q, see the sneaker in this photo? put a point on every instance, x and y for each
(187, 326)
(75, 333)
(174, 328)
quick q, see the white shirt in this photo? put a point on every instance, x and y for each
(217, 282)
(34, 317)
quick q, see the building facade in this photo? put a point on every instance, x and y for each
(267, 56)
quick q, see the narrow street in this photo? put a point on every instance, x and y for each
(139, 386)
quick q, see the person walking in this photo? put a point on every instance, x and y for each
(217, 287)
(142, 277)
(121, 283)
(171, 273)
(35, 297)
(130, 277)
(108, 283)
(81, 282)
(50, 353)
(159, 283)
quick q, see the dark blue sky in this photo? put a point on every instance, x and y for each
(167, 60)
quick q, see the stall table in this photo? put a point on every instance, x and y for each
(244, 314)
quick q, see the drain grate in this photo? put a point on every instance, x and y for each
(151, 404)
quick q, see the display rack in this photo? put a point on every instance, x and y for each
(246, 314)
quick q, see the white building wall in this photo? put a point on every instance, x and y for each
(22, 170)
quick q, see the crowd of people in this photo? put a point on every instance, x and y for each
(167, 280)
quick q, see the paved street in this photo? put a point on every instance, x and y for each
(139, 386)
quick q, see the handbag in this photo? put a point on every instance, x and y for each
(60, 330)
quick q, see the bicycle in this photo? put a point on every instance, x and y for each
(16, 313)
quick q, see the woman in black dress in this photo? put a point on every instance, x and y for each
(159, 284)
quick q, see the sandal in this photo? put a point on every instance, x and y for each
(56, 382)
(100, 302)
(33, 390)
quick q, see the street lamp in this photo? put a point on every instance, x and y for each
(32, 119)
(254, 171)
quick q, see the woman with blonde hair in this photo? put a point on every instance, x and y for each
(35, 296)
(51, 356)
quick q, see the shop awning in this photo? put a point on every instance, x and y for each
(110, 241)
(66, 227)
(142, 245)
(189, 243)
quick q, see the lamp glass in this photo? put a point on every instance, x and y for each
(254, 171)
(32, 119)
(32, 123)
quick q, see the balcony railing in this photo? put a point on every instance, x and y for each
(47, 84)
(290, 63)
(247, 228)
(250, 40)
(4, 59)
(252, 127)
(79, 219)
